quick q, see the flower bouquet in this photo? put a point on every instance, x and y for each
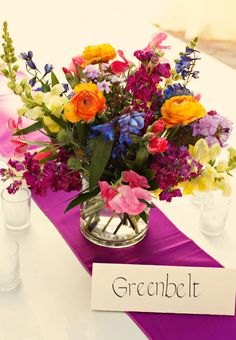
(118, 133)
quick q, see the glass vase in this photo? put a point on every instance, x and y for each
(109, 229)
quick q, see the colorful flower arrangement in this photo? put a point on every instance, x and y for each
(130, 130)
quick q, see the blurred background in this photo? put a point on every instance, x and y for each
(62, 28)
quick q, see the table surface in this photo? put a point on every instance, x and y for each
(53, 301)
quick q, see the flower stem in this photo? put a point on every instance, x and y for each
(108, 222)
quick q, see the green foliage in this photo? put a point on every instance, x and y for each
(82, 198)
(54, 80)
(74, 163)
(101, 154)
(34, 127)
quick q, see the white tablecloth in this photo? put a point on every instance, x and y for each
(53, 301)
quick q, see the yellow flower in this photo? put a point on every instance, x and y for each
(181, 110)
(202, 153)
(51, 125)
(99, 53)
(85, 104)
(222, 166)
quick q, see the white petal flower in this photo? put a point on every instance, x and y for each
(57, 90)
(34, 113)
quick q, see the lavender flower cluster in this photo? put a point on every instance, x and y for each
(214, 128)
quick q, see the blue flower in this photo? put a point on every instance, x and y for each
(106, 129)
(32, 82)
(176, 90)
(26, 56)
(31, 64)
(66, 87)
(130, 124)
(119, 151)
(48, 68)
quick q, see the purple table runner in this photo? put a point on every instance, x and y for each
(163, 245)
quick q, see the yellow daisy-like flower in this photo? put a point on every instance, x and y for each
(98, 53)
(181, 110)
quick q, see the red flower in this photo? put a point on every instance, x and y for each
(119, 67)
(158, 126)
(157, 145)
(42, 155)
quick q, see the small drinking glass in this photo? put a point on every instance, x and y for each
(16, 209)
(214, 213)
(9, 265)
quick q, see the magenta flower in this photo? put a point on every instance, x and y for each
(135, 180)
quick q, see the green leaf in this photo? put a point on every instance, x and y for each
(34, 127)
(57, 120)
(142, 156)
(82, 198)
(101, 154)
(74, 163)
(149, 205)
(144, 217)
(54, 80)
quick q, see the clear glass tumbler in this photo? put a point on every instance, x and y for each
(9, 265)
(214, 213)
(16, 209)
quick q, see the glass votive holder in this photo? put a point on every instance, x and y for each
(214, 213)
(16, 209)
(9, 265)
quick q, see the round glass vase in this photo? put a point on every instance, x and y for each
(109, 229)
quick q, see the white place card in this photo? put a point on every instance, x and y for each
(163, 289)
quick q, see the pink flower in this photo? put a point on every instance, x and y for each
(157, 145)
(198, 97)
(78, 60)
(156, 42)
(124, 199)
(135, 180)
(13, 125)
(158, 126)
(119, 67)
(107, 192)
(20, 147)
(128, 200)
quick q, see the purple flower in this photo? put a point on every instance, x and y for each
(16, 164)
(91, 72)
(173, 167)
(14, 187)
(104, 86)
(167, 195)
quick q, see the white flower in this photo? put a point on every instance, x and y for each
(57, 90)
(38, 97)
(34, 113)
(55, 104)
(22, 110)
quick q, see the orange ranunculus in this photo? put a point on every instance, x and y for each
(181, 110)
(99, 53)
(85, 104)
